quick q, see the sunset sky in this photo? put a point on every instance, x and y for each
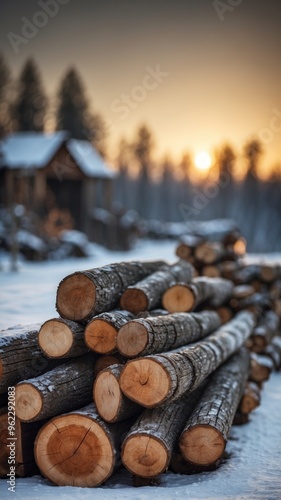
(220, 70)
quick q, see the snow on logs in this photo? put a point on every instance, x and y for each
(62, 338)
(101, 331)
(159, 379)
(64, 388)
(203, 440)
(20, 355)
(151, 335)
(147, 293)
(83, 294)
(147, 448)
(185, 297)
(79, 448)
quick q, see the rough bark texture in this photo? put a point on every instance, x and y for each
(79, 448)
(211, 252)
(243, 291)
(83, 294)
(202, 289)
(261, 368)
(265, 331)
(223, 230)
(25, 435)
(107, 360)
(273, 350)
(257, 303)
(164, 333)
(159, 379)
(20, 356)
(148, 447)
(250, 399)
(64, 388)
(147, 293)
(204, 437)
(110, 402)
(62, 338)
(187, 245)
(101, 331)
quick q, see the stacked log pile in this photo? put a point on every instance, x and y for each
(117, 380)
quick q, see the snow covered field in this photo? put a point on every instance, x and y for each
(252, 469)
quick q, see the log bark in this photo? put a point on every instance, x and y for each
(111, 404)
(164, 333)
(187, 245)
(62, 338)
(79, 448)
(243, 291)
(101, 331)
(159, 379)
(265, 331)
(185, 298)
(147, 448)
(25, 435)
(222, 230)
(20, 356)
(261, 368)
(147, 293)
(273, 350)
(204, 437)
(82, 295)
(257, 303)
(211, 252)
(250, 399)
(64, 388)
(107, 360)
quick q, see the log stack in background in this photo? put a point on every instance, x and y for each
(149, 364)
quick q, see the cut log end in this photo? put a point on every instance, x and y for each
(144, 456)
(134, 300)
(107, 396)
(74, 451)
(139, 379)
(76, 296)
(28, 402)
(55, 338)
(100, 336)
(202, 445)
(132, 339)
(179, 298)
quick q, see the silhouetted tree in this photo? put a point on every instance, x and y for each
(226, 160)
(73, 112)
(4, 102)
(252, 153)
(142, 149)
(30, 105)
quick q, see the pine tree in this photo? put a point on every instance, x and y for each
(4, 100)
(252, 153)
(142, 149)
(30, 106)
(73, 112)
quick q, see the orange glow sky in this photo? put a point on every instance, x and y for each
(224, 75)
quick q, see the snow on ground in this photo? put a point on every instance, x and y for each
(252, 469)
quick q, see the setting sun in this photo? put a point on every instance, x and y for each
(203, 161)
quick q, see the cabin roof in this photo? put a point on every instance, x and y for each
(34, 150)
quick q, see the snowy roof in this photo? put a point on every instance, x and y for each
(30, 149)
(36, 150)
(88, 159)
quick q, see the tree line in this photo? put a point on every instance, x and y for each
(155, 189)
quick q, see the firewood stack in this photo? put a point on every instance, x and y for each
(148, 362)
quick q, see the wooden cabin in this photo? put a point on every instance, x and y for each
(52, 171)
